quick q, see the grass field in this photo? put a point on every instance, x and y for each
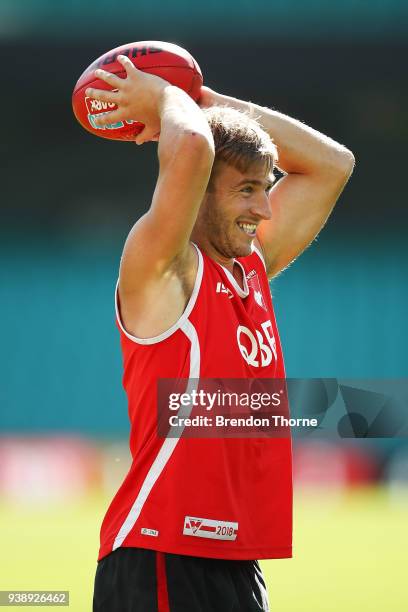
(350, 554)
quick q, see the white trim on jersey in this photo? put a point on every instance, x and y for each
(195, 354)
(178, 324)
(169, 444)
(260, 255)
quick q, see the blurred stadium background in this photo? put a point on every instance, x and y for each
(68, 201)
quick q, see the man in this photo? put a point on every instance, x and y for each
(192, 517)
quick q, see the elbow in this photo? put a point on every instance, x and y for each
(198, 143)
(193, 146)
(339, 163)
(198, 147)
(348, 162)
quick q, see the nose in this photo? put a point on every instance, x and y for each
(261, 207)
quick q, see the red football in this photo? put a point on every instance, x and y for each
(166, 60)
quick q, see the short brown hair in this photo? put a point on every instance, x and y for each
(239, 140)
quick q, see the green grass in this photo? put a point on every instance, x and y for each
(350, 553)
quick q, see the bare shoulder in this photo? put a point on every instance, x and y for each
(158, 304)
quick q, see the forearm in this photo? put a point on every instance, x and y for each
(301, 149)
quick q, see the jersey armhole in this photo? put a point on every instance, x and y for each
(178, 324)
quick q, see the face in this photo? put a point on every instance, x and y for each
(233, 209)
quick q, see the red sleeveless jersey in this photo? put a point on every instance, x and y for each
(228, 498)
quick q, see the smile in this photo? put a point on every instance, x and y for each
(248, 228)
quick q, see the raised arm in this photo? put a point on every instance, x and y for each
(317, 169)
(157, 257)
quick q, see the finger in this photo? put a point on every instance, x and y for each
(127, 64)
(141, 137)
(148, 134)
(109, 78)
(102, 95)
(203, 99)
(108, 118)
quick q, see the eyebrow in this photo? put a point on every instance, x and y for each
(256, 182)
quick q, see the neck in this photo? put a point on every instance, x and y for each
(209, 249)
(227, 262)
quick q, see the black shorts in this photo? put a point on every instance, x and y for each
(140, 580)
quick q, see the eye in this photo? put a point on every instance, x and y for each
(247, 189)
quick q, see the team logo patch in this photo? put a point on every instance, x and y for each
(210, 528)
(254, 284)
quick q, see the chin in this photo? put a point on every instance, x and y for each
(243, 250)
(233, 246)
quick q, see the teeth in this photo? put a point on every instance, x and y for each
(249, 228)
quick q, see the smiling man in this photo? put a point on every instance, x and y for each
(193, 516)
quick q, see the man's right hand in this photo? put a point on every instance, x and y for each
(138, 97)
